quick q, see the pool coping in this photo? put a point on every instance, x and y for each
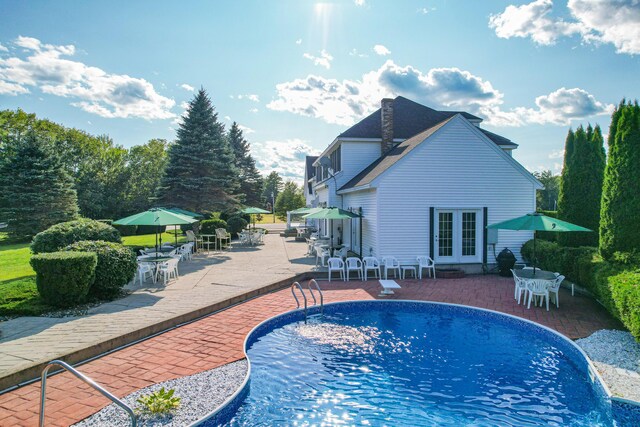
(236, 399)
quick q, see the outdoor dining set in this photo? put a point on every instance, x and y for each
(161, 263)
(537, 285)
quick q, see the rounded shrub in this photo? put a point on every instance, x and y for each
(209, 226)
(116, 266)
(63, 278)
(236, 224)
(60, 235)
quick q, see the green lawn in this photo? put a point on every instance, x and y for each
(19, 297)
(14, 261)
(18, 293)
(149, 240)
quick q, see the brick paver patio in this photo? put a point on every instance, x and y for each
(217, 340)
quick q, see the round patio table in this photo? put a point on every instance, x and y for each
(154, 260)
(540, 274)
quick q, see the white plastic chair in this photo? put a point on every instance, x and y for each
(538, 288)
(322, 253)
(336, 264)
(145, 268)
(371, 264)
(555, 289)
(353, 264)
(391, 263)
(341, 253)
(169, 269)
(426, 262)
(184, 251)
(520, 287)
(223, 237)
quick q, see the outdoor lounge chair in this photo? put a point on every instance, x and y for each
(322, 253)
(341, 253)
(336, 264)
(555, 289)
(371, 264)
(223, 237)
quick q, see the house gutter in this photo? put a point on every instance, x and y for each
(354, 189)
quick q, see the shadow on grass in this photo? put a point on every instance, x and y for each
(20, 297)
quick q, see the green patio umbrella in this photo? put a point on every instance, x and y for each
(304, 211)
(184, 212)
(331, 214)
(537, 222)
(253, 211)
(158, 217)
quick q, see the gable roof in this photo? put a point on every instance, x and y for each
(387, 160)
(409, 119)
(392, 156)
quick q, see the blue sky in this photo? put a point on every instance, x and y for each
(297, 73)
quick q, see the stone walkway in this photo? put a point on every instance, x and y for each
(217, 339)
(208, 283)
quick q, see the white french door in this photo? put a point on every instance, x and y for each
(457, 236)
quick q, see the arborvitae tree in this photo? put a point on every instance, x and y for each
(582, 189)
(37, 192)
(565, 176)
(250, 180)
(200, 175)
(619, 229)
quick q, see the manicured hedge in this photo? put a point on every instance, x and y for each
(614, 283)
(625, 289)
(63, 278)
(61, 235)
(116, 266)
(548, 235)
(126, 230)
(150, 229)
(209, 226)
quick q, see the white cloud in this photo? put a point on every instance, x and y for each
(425, 10)
(299, 41)
(253, 110)
(285, 157)
(564, 105)
(246, 130)
(381, 50)
(557, 154)
(344, 102)
(3, 48)
(604, 21)
(227, 118)
(354, 52)
(44, 66)
(187, 87)
(324, 60)
(360, 2)
(251, 97)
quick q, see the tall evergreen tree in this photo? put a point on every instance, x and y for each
(582, 189)
(200, 175)
(619, 229)
(37, 192)
(250, 180)
(271, 188)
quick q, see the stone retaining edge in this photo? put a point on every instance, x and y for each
(32, 373)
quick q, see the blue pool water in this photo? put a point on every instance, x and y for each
(391, 364)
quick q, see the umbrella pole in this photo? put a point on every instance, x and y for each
(534, 253)
(175, 233)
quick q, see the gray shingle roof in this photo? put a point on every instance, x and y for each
(409, 119)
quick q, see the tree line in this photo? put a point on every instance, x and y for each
(50, 173)
(602, 192)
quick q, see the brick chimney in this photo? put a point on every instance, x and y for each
(386, 113)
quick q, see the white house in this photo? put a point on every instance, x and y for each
(426, 182)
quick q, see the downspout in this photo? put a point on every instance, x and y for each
(360, 212)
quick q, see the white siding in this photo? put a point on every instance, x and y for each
(455, 168)
(355, 157)
(368, 202)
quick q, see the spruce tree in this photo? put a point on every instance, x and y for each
(582, 189)
(250, 180)
(37, 192)
(200, 175)
(619, 229)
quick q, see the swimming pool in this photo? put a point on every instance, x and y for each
(395, 363)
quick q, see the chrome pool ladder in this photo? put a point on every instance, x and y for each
(298, 286)
(87, 380)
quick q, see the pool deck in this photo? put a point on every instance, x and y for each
(217, 339)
